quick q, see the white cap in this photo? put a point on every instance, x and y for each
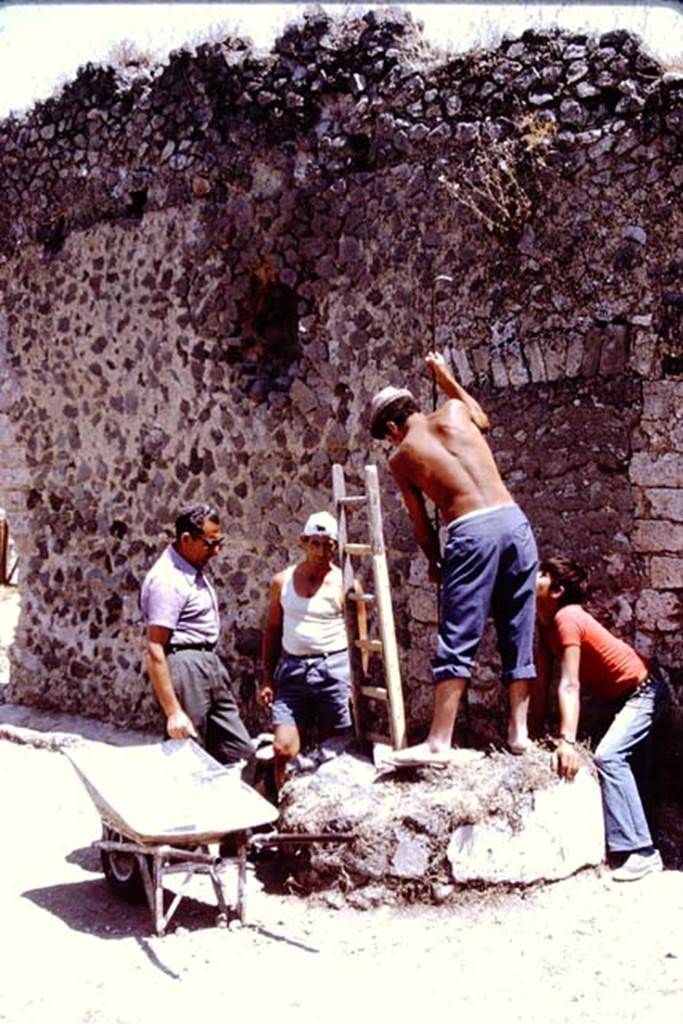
(381, 401)
(321, 524)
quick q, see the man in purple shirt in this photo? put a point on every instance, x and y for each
(180, 609)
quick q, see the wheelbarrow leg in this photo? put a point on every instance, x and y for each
(214, 875)
(149, 882)
(242, 847)
(158, 909)
(154, 889)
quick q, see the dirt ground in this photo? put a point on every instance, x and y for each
(581, 950)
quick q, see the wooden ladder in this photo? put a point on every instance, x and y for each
(360, 646)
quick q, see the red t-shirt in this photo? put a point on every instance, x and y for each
(608, 665)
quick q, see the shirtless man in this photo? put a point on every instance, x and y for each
(305, 659)
(490, 560)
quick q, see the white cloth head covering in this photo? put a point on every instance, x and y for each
(381, 401)
(321, 524)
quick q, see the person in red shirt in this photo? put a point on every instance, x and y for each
(590, 655)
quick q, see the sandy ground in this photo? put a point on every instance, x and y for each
(583, 950)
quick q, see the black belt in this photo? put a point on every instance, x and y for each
(649, 678)
(315, 657)
(172, 648)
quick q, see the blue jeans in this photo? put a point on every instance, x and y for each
(626, 827)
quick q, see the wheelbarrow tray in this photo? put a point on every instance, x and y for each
(171, 792)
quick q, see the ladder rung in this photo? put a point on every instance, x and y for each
(374, 692)
(364, 682)
(353, 500)
(357, 549)
(374, 646)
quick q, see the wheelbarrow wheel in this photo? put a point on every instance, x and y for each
(122, 870)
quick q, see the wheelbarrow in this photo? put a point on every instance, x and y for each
(162, 806)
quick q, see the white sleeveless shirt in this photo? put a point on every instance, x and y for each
(313, 625)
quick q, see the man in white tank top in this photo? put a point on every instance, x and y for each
(306, 676)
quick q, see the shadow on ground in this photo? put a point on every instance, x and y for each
(92, 908)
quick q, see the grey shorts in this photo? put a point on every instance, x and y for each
(489, 568)
(313, 689)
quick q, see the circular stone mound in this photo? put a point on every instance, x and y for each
(420, 833)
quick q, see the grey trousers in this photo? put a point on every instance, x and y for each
(202, 685)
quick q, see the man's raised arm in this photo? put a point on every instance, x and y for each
(450, 387)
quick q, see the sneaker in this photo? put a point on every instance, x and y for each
(637, 865)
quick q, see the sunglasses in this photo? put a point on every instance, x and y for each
(211, 545)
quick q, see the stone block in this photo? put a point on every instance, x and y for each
(658, 536)
(562, 832)
(574, 355)
(656, 471)
(614, 349)
(534, 360)
(461, 366)
(498, 371)
(663, 399)
(480, 356)
(517, 373)
(643, 354)
(665, 435)
(555, 357)
(411, 857)
(661, 503)
(666, 573)
(592, 351)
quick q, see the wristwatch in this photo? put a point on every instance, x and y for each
(568, 738)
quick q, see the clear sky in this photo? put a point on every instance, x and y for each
(43, 44)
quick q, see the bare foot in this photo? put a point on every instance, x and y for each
(518, 744)
(421, 756)
(423, 753)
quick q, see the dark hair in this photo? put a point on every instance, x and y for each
(398, 412)
(568, 574)
(191, 520)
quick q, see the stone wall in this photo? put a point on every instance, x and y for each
(208, 268)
